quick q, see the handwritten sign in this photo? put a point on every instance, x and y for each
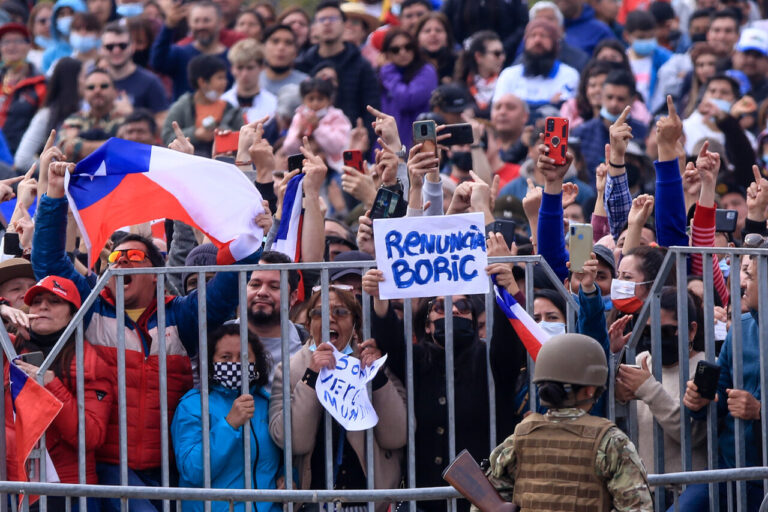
(431, 256)
(342, 391)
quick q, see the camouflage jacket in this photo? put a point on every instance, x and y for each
(617, 463)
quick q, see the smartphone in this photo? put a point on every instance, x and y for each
(425, 132)
(580, 245)
(706, 378)
(226, 143)
(295, 162)
(461, 133)
(506, 228)
(33, 358)
(354, 158)
(725, 220)
(556, 138)
(11, 244)
(388, 205)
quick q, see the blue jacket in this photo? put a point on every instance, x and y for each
(60, 47)
(659, 57)
(551, 239)
(671, 218)
(226, 446)
(585, 31)
(751, 361)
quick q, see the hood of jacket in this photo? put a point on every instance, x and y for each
(75, 5)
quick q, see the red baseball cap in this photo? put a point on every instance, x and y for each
(7, 28)
(60, 286)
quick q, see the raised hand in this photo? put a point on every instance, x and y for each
(280, 191)
(588, 274)
(757, 197)
(385, 127)
(532, 200)
(386, 163)
(616, 333)
(553, 174)
(358, 137)
(620, 134)
(181, 142)
(708, 165)
(56, 173)
(371, 280)
(314, 168)
(570, 192)
(260, 152)
(420, 164)
(601, 173)
(669, 129)
(461, 201)
(359, 185)
(641, 209)
(322, 357)
(365, 234)
(27, 189)
(369, 352)
(6, 188)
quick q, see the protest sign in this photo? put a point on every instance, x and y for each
(342, 391)
(431, 256)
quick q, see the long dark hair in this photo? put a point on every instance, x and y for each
(467, 63)
(418, 59)
(263, 360)
(592, 69)
(63, 98)
(439, 16)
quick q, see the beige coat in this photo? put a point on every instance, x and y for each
(390, 433)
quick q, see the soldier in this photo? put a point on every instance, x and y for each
(567, 458)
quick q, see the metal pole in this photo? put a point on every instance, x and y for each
(709, 344)
(202, 329)
(122, 413)
(449, 390)
(737, 347)
(326, 334)
(285, 325)
(245, 384)
(490, 309)
(162, 386)
(80, 389)
(369, 471)
(411, 455)
(683, 357)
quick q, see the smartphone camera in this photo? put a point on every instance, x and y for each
(555, 141)
(423, 130)
(551, 124)
(347, 155)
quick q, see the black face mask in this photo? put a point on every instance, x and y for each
(279, 70)
(699, 38)
(462, 160)
(538, 65)
(669, 352)
(463, 332)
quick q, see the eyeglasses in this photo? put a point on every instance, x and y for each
(112, 46)
(134, 255)
(497, 53)
(328, 19)
(394, 50)
(103, 87)
(343, 287)
(462, 306)
(338, 312)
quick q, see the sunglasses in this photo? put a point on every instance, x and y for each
(103, 86)
(755, 240)
(338, 312)
(462, 306)
(395, 50)
(134, 255)
(112, 46)
(497, 53)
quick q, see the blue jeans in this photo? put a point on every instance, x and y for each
(109, 474)
(696, 497)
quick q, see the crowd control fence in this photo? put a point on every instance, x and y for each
(409, 495)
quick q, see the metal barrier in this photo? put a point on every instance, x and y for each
(289, 496)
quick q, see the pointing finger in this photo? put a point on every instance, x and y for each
(11, 181)
(360, 123)
(177, 131)
(704, 149)
(374, 112)
(31, 172)
(671, 110)
(756, 172)
(259, 132)
(50, 141)
(624, 114)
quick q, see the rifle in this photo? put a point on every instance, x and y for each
(466, 477)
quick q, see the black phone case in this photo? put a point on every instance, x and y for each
(706, 378)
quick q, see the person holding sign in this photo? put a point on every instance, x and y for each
(388, 399)
(233, 417)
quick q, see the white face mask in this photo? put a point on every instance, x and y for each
(552, 328)
(212, 95)
(621, 289)
(721, 330)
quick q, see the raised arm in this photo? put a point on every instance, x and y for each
(670, 211)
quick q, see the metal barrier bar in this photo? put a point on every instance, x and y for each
(326, 335)
(162, 386)
(4, 497)
(122, 413)
(245, 385)
(762, 293)
(285, 324)
(449, 382)
(683, 357)
(738, 374)
(202, 330)
(709, 347)
(411, 447)
(490, 310)
(658, 433)
(369, 441)
(80, 385)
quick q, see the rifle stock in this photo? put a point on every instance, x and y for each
(466, 477)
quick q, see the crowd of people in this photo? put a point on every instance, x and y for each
(667, 105)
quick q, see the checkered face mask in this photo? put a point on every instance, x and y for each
(230, 375)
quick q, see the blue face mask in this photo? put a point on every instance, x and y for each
(722, 105)
(130, 10)
(765, 159)
(607, 115)
(552, 328)
(725, 268)
(347, 350)
(84, 44)
(43, 42)
(607, 302)
(644, 47)
(63, 24)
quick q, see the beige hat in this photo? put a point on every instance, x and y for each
(355, 10)
(15, 267)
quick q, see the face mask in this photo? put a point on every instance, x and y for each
(722, 105)
(212, 95)
(669, 352)
(279, 70)
(462, 160)
(347, 350)
(607, 115)
(230, 374)
(84, 44)
(607, 302)
(623, 296)
(43, 42)
(463, 332)
(699, 38)
(63, 24)
(552, 328)
(721, 330)
(725, 268)
(644, 47)
(130, 10)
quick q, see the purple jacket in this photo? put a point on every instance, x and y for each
(405, 101)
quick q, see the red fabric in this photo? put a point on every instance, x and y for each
(507, 173)
(703, 235)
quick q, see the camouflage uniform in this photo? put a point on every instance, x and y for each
(617, 463)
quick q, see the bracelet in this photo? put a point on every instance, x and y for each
(243, 162)
(615, 165)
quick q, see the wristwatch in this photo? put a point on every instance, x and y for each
(402, 153)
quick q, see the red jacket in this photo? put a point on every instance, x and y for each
(61, 436)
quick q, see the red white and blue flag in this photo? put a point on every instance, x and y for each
(34, 409)
(126, 183)
(532, 336)
(288, 237)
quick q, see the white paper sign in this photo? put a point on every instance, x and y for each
(342, 391)
(431, 256)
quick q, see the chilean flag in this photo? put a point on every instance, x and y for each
(532, 336)
(288, 237)
(126, 183)
(34, 408)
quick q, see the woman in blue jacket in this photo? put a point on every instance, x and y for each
(232, 415)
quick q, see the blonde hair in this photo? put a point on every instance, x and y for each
(244, 51)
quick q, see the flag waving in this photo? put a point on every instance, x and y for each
(125, 183)
(532, 336)
(35, 409)
(288, 237)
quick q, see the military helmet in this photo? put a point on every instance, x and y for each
(571, 359)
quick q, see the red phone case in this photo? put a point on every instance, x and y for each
(227, 143)
(354, 158)
(556, 138)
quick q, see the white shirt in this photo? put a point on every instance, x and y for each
(538, 90)
(696, 129)
(264, 104)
